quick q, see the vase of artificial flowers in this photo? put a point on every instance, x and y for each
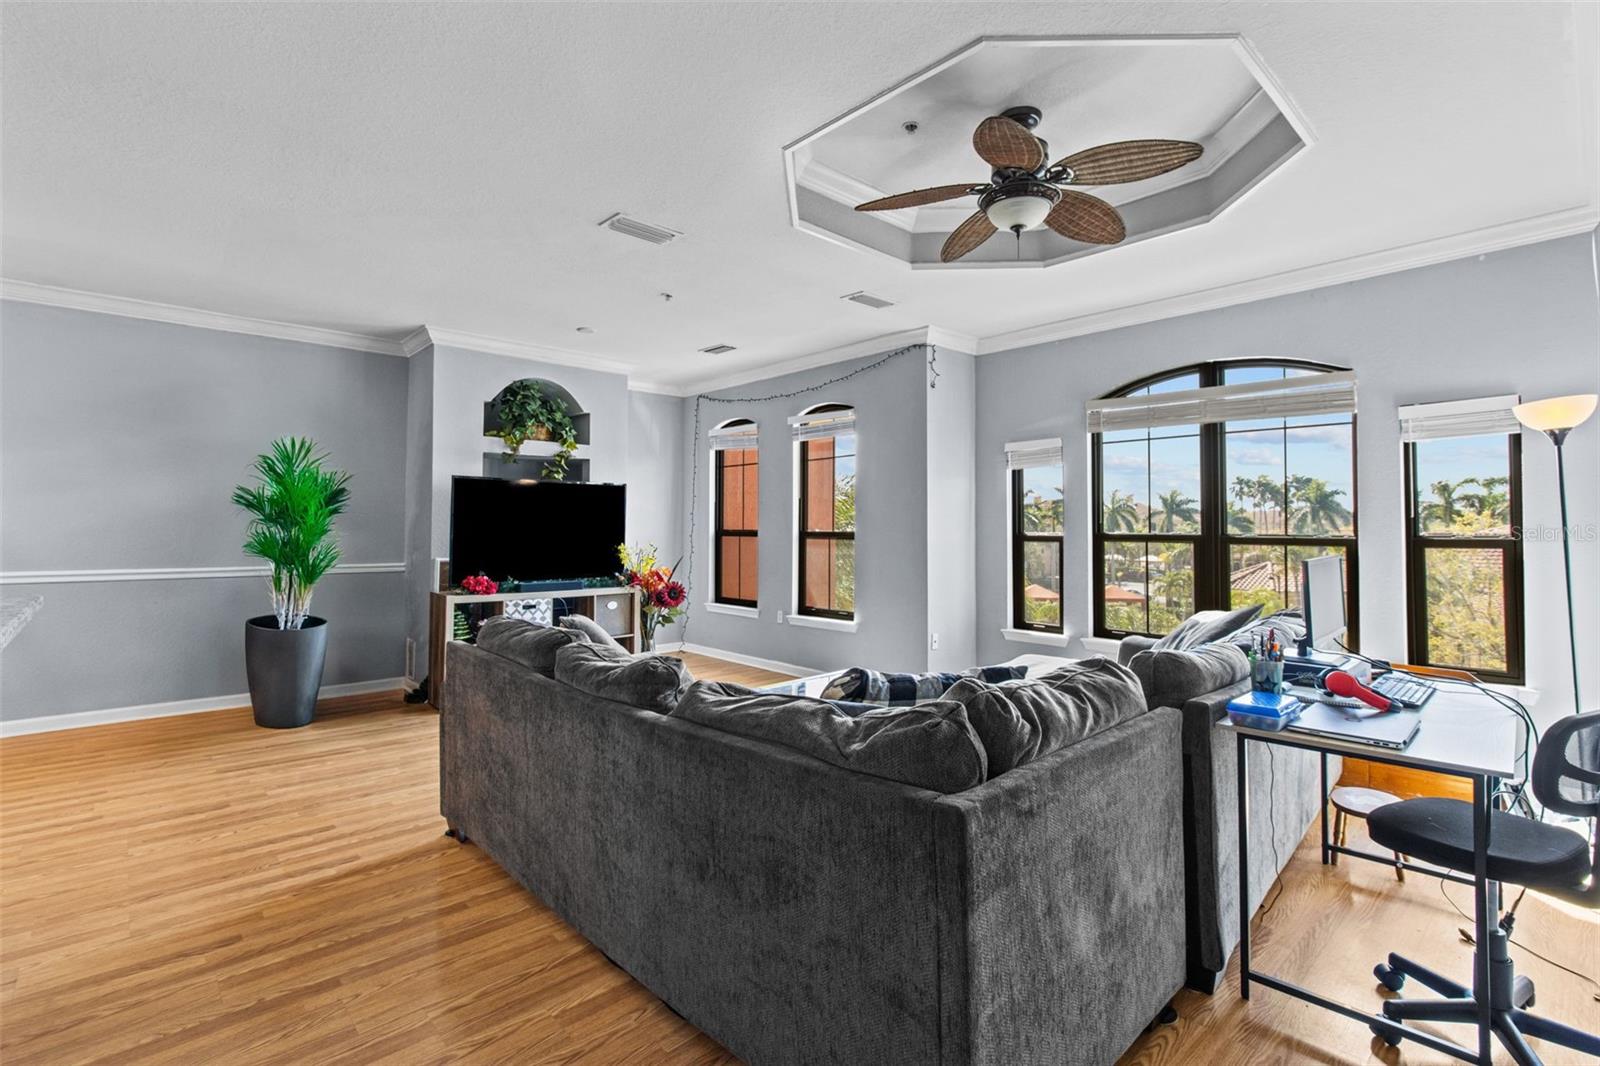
(661, 599)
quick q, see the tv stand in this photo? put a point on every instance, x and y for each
(599, 604)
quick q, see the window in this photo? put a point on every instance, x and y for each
(1212, 499)
(827, 540)
(737, 506)
(1038, 522)
(1464, 553)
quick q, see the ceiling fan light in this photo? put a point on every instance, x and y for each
(1010, 212)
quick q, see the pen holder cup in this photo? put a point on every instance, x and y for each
(1267, 676)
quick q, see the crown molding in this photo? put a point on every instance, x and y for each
(934, 335)
(655, 388)
(128, 307)
(1356, 268)
(477, 342)
(415, 341)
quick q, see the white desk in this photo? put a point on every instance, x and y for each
(1464, 734)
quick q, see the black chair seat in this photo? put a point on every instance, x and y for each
(1521, 851)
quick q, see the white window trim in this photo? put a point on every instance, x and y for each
(734, 609)
(811, 621)
(1034, 636)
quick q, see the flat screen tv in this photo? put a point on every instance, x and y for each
(534, 531)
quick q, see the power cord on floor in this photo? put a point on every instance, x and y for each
(1272, 824)
(1467, 937)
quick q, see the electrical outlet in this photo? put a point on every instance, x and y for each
(780, 616)
(933, 642)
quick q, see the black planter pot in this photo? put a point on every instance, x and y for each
(285, 670)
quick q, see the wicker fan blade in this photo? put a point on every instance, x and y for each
(1002, 142)
(1086, 218)
(920, 197)
(1112, 164)
(967, 236)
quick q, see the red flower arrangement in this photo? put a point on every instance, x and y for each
(661, 599)
(479, 585)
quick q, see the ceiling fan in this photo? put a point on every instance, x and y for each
(1023, 191)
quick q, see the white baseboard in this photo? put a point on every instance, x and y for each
(83, 719)
(735, 657)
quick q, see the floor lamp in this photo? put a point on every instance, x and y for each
(1555, 418)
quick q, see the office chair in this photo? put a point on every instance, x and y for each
(1522, 851)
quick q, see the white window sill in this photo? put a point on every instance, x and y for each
(810, 621)
(1106, 646)
(1034, 636)
(733, 609)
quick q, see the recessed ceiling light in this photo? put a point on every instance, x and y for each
(717, 349)
(585, 329)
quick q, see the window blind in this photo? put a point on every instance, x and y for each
(1459, 418)
(734, 437)
(1022, 454)
(1309, 394)
(823, 424)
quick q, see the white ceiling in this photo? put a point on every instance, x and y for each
(370, 168)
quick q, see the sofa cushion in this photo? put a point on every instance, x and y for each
(931, 745)
(860, 685)
(650, 682)
(532, 645)
(596, 633)
(1203, 627)
(1019, 721)
(1172, 678)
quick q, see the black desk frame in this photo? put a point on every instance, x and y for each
(1483, 789)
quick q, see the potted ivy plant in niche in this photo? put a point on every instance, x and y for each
(527, 412)
(291, 507)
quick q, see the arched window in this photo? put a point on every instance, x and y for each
(736, 499)
(1218, 512)
(826, 563)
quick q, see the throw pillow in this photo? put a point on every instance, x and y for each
(650, 682)
(534, 646)
(931, 745)
(1205, 627)
(1020, 721)
(860, 685)
(589, 628)
(1173, 677)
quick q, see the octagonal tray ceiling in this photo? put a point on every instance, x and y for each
(1092, 90)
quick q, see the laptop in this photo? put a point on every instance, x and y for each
(1392, 730)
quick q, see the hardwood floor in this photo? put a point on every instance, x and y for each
(196, 890)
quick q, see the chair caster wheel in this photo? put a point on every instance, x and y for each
(1389, 977)
(1387, 1034)
(1168, 1015)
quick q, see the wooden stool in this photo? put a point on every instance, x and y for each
(1359, 802)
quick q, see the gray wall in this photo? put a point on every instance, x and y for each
(1520, 321)
(120, 443)
(656, 479)
(950, 514)
(891, 519)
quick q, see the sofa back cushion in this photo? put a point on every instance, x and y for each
(1172, 678)
(650, 682)
(532, 645)
(596, 633)
(1019, 721)
(931, 745)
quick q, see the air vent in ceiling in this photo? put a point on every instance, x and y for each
(866, 299)
(717, 349)
(645, 231)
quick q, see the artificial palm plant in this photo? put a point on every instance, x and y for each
(291, 509)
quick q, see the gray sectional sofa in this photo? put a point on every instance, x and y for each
(1286, 795)
(801, 908)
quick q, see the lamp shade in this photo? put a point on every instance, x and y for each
(1556, 413)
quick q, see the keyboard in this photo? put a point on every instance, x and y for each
(1402, 689)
